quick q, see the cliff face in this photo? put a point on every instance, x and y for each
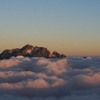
(30, 51)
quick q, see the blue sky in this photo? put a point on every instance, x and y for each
(68, 26)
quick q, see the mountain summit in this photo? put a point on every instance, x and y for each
(30, 51)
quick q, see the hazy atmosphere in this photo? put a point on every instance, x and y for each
(49, 49)
(71, 27)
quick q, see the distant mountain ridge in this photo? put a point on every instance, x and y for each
(30, 51)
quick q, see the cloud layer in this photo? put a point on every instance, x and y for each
(50, 79)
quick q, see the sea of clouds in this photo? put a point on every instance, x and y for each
(23, 78)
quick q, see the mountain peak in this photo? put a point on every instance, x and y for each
(30, 51)
(28, 46)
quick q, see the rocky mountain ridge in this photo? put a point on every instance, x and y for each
(30, 51)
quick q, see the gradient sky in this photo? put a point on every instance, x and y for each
(71, 27)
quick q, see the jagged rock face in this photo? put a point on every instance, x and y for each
(27, 50)
(30, 51)
(40, 52)
(57, 55)
(6, 54)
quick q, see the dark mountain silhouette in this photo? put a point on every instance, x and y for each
(30, 51)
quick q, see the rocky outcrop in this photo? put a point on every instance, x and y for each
(30, 51)
(40, 52)
(55, 54)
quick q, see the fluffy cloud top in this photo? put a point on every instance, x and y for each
(50, 79)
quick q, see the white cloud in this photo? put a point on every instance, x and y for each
(49, 79)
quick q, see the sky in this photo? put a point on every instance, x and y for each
(71, 27)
